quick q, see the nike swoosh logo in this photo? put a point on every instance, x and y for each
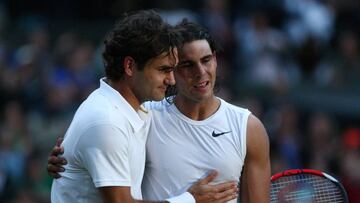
(218, 134)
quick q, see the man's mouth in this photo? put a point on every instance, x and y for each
(202, 84)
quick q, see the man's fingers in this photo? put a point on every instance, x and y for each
(221, 187)
(211, 176)
(51, 168)
(57, 151)
(54, 175)
(59, 141)
(205, 192)
(226, 195)
(54, 170)
(56, 160)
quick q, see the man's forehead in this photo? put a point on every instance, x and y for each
(203, 43)
(167, 58)
(195, 49)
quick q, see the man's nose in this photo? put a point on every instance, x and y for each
(170, 79)
(199, 70)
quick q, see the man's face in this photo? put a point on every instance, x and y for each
(151, 82)
(196, 72)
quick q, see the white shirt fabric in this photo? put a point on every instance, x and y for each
(180, 151)
(104, 146)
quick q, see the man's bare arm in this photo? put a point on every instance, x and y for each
(202, 191)
(255, 180)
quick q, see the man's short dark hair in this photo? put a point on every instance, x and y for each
(141, 35)
(191, 31)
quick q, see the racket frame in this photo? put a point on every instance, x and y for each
(291, 172)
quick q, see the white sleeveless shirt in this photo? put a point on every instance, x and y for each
(180, 151)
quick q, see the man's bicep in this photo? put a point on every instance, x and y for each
(257, 162)
(103, 151)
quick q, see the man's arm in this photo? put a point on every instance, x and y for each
(201, 191)
(255, 179)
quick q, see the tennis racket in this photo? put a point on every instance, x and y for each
(305, 186)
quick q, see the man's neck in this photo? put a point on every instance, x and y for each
(124, 89)
(197, 110)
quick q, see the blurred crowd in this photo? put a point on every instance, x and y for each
(294, 63)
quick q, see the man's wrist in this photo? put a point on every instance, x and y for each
(185, 197)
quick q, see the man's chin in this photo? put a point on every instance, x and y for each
(158, 97)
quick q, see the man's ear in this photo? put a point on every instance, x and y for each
(129, 65)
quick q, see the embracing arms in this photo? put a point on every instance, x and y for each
(201, 191)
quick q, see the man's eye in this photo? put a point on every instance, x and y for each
(167, 70)
(205, 60)
(183, 65)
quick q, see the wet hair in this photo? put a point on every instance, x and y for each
(141, 35)
(190, 32)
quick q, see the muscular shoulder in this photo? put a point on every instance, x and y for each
(257, 138)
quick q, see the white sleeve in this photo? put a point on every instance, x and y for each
(104, 152)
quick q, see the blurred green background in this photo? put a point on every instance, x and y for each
(294, 63)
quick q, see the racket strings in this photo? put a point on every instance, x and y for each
(305, 188)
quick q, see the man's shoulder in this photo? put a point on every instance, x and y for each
(233, 108)
(96, 109)
(256, 134)
(95, 104)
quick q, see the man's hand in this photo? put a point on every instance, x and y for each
(222, 192)
(55, 162)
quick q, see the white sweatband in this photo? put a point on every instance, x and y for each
(185, 197)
